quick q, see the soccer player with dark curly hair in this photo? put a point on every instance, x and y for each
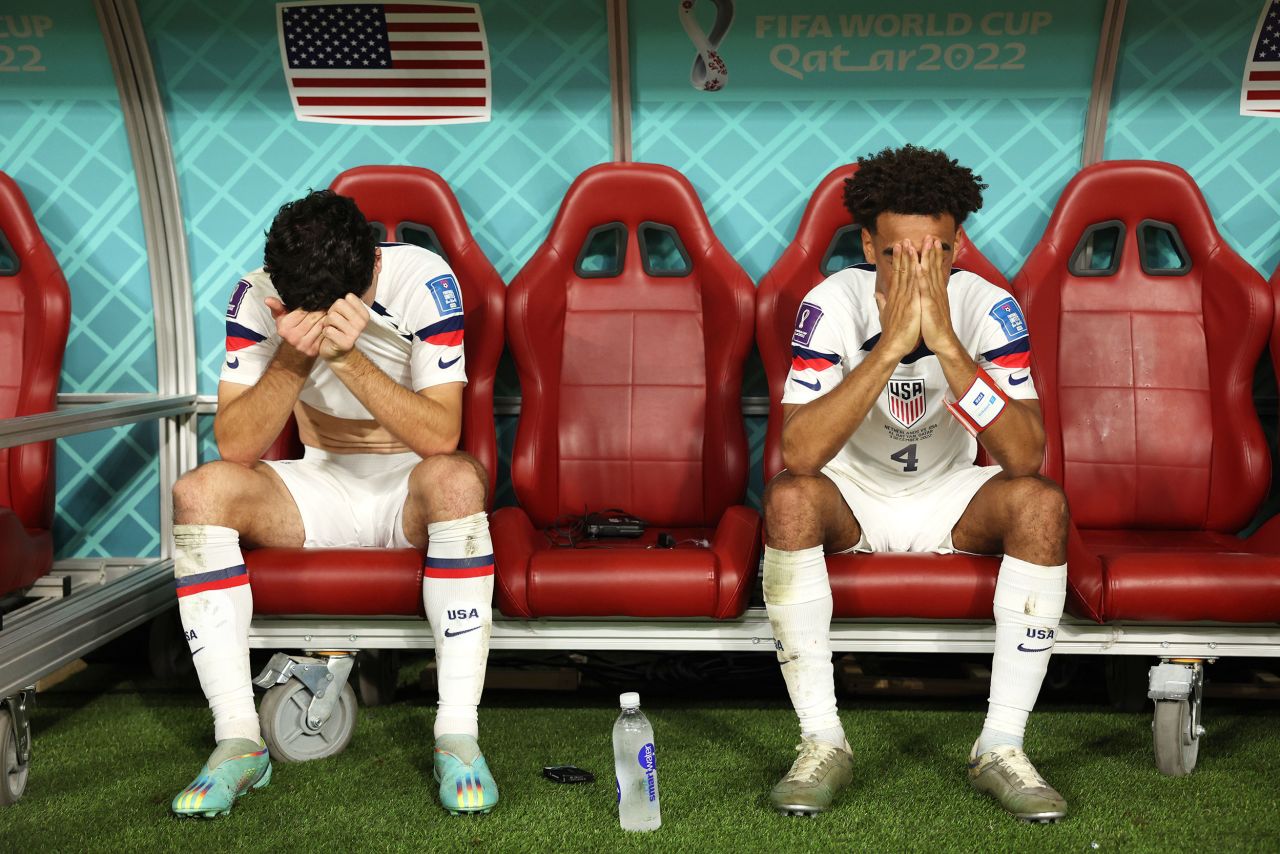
(363, 344)
(901, 366)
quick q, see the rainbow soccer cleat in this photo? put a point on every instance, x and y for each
(236, 766)
(466, 785)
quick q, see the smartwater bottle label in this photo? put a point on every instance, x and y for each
(647, 762)
(617, 785)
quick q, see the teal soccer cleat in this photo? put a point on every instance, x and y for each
(236, 766)
(466, 785)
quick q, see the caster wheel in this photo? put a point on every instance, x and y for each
(1177, 736)
(377, 672)
(167, 651)
(284, 723)
(13, 774)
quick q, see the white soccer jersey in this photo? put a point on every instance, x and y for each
(909, 437)
(414, 334)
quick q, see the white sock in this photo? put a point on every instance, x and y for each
(1028, 606)
(457, 592)
(216, 604)
(797, 595)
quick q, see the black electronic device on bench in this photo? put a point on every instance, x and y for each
(612, 523)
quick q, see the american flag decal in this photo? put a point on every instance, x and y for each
(386, 63)
(1260, 94)
(906, 400)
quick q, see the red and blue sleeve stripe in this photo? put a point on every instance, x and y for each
(458, 567)
(804, 359)
(217, 579)
(445, 333)
(240, 336)
(1012, 356)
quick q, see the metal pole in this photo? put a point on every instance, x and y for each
(1104, 79)
(165, 236)
(620, 78)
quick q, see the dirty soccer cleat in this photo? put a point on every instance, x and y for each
(1007, 775)
(818, 774)
(466, 785)
(236, 766)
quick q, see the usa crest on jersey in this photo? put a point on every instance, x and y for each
(906, 401)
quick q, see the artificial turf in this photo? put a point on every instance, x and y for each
(109, 755)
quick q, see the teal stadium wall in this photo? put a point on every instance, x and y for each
(754, 152)
(62, 138)
(1177, 98)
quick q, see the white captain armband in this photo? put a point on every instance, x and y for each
(980, 405)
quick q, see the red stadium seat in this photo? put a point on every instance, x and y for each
(1146, 328)
(881, 585)
(629, 327)
(411, 205)
(35, 314)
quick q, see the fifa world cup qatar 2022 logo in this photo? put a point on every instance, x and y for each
(709, 73)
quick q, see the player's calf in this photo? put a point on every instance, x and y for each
(211, 505)
(1032, 521)
(445, 511)
(801, 512)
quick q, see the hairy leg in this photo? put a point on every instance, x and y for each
(802, 511)
(1023, 517)
(253, 501)
(441, 488)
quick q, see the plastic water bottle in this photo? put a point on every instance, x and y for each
(635, 764)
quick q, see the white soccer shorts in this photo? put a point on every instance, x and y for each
(350, 500)
(918, 522)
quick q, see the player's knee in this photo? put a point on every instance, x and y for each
(792, 501)
(452, 484)
(202, 495)
(1039, 504)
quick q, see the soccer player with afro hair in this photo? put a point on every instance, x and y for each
(901, 367)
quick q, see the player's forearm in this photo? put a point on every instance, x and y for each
(423, 425)
(815, 433)
(1016, 439)
(247, 426)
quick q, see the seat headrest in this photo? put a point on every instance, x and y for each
(825, 213)
(631, 193)
(1131, 192)
(397, 194)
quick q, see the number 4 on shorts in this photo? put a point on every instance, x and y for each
(907, 456)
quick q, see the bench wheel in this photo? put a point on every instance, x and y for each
(1177, 735)
(13, 774)
(285, 729)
